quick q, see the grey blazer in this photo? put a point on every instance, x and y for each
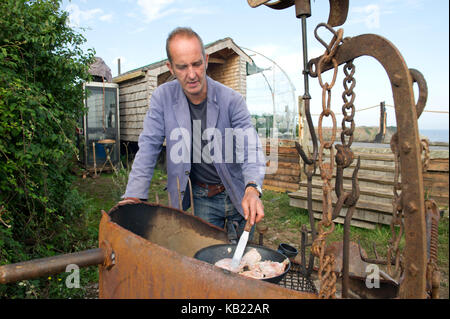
(232, 140)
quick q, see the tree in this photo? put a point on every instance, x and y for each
(42, 67)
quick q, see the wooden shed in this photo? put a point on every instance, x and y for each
(227, 64)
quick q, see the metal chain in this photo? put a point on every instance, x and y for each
(397, 224)
(326, 274)
(344, 155)
(393, 253)
(433, 273)
(426, 154)
(348, 105)
(344, 158)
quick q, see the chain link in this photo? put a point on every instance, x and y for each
(394, 253)
(349, 71)
(326, 273)
(397, 223)
(426, 154)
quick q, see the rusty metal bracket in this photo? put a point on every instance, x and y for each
(418, 78)
(338, 8)
(401, 80)
(109, 255)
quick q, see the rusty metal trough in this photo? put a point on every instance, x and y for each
(146, 251)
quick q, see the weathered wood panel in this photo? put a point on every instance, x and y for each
(134, 97)
(133, 82)
(435, 181)
(286, 177)
(130, 138)
(376, 179)
(286, 164)
(131, 125)
(135, 110)
(138, 87)
(132, 118)
(438, 165)
(130, 131)
(141, 95)
(229, 73)
(281, 186)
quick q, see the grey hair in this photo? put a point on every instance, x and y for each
(183, 31)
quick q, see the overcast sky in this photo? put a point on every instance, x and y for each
(135, 31)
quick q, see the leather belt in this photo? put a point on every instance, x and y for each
(213, 189)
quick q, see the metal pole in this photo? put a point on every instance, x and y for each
(49, 266)
(303, 11)
(306, 95)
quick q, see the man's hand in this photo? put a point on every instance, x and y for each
(129, 200)
(252, 205)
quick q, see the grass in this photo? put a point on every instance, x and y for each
(280, 215)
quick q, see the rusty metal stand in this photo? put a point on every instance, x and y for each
(409, 207)
(412, 196)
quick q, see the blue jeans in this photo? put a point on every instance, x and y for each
(219, 211)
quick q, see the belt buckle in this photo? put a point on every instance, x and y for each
(214, 189)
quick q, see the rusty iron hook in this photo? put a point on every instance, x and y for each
(418, 78)
(337, 15)
(347, 199)
(335, 41)
(377, 260)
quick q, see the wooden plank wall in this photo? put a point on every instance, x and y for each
(134, 102)
(435, 181)
(286, 177)
(289, 173)
(232, 73)
(375, 179)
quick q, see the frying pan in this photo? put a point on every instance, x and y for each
(212, 254)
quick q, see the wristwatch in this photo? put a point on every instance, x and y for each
(256, 186)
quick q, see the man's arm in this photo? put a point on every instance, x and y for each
(252, 205)
(150, 144)
(253, 167)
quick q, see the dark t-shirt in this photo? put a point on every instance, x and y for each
(202, 168)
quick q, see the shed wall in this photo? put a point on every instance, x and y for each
(232, 73)
(134, 98)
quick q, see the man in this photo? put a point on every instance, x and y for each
(197, 116)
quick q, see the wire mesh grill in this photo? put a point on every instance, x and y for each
(295, 280)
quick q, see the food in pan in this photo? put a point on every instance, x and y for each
(252, 266)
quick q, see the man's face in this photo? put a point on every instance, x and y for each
(189, 66)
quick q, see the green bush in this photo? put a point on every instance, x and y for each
(42, 67)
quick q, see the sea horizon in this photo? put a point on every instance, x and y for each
(435, 135)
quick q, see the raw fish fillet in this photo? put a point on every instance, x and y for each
(252, 274)
(252, 266)
(250, 258)
(271, 268)
(224, 263)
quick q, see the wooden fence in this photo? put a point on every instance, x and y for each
(376, 180)
(286, 172)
